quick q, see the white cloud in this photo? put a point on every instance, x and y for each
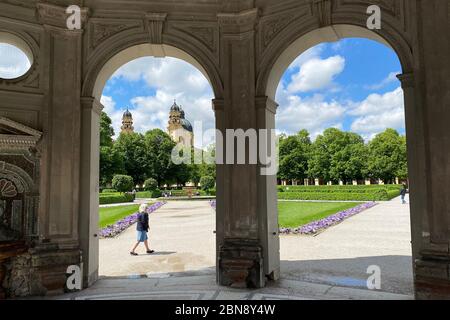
(316, 74)
(378, 103)
(311, 53)
(313, 114)
(379, 112)
(391, 78)
(169, 79)
(175, 76)
(13, 62)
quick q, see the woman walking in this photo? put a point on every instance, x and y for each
(142, 228)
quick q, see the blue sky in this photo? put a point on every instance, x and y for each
(349, 84)
(13, 62)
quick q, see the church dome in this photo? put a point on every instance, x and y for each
(127, 114)
(175, 107)
(186, 125)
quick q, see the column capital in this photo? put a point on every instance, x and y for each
(55, 17)
(407, 80)
(218, 105)
(93, 104)
(267, 103)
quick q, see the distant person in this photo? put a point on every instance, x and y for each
(142, 228)
(403, 192)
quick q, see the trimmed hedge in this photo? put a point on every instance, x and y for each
(109, 191)
(333, 196)
(339, 189)
(339, 193)
(112, 198)
(149, 194)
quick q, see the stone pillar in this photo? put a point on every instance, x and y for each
(430, 156)
(58, 247)
(241, 252)
(89, 188)
(267, 189)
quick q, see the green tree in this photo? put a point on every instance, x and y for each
(208, 169)
(122, 183)
(387, 156)
(207, 183)
(349, 160)
(110, 161)
(402, 171)
(158, 146)
(338, 155)
(151, 184)
(293, 154)
(106, 131)
(319, 163)
(132, 149)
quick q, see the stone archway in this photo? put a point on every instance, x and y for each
(293, 43)
(238, 44)
(270, 79)
(90, 122)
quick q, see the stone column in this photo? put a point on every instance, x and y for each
(240, 255)
(60, 164)
(430, 198)
(89, 188)
(267, 189)
(415, 135)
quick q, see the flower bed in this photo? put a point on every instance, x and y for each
(121, 225)
(322, 224)
(319, 225)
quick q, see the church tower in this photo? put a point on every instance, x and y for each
(127, 122)
(180, 129)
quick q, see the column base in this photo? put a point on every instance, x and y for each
(432, 279)
(39, 272)
(241, 264)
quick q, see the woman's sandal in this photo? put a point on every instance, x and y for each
(133, 253)
(150, 251)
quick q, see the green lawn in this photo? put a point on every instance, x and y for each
(111, 215)
(295, 214)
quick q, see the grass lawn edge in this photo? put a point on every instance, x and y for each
(318, 226)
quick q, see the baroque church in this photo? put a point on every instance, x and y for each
(179, 128)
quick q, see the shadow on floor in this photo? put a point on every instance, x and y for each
(395, 272)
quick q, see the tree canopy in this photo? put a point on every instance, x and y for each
(334, 156)
(387, 156)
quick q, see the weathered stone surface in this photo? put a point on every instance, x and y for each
(241, 264)
(243, 47)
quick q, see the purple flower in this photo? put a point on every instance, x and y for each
(318, 225)
(125, 223)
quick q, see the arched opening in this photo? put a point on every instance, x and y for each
(139, 51)
(329, 234)
(16, 57)
(139, 127)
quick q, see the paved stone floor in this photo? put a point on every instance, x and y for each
(331, 265)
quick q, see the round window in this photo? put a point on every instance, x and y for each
(15, 57)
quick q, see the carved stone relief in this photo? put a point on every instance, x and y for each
(19, 173)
